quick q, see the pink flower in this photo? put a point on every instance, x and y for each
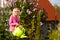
(5, 11)
(36, 5)
(27, 10)
(31, 1)
(33, 16)
(25, 1)
(34, 9)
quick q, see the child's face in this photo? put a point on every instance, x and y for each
(16, 12)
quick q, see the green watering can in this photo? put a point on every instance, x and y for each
(19, 32)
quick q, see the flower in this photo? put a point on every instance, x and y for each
(5, 11)
(30, 3)
(28, 11)
(8, 3)
(41, 23)
(25, 1)
(33, 16)
(34, 9)
(36, 5)
(22, 7)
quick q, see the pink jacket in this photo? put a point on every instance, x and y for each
(12, 22)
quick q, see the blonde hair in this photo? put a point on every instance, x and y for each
(15, 8)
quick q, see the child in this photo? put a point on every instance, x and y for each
(14, 19)
(15, 27)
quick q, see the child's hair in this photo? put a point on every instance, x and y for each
(15, 8)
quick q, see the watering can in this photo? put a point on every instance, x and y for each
(19, 32)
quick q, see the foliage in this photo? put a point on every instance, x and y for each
(27, 17)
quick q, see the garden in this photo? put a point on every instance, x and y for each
(31, 19)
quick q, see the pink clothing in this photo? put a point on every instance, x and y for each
(12, 22)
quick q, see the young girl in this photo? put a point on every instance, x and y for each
(15, 27)
(14, 19)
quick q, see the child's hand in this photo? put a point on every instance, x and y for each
(20, 26)
(17, 24)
